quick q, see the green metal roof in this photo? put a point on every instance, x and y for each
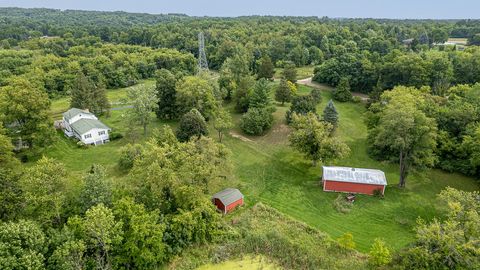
(73, 112)
(83, 126)
(228, 196)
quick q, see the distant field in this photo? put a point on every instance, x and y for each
(267, 170)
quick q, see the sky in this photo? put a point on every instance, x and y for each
(398, 9)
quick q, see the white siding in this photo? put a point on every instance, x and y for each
(95, 136)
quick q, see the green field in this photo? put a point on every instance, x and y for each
(251, 263)
(302, 72)
(267, 170)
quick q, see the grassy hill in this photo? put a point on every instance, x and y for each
(267, 170)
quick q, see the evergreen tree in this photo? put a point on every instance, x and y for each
(260, 97)
(86, 95)
(166, 94)
(283, 93)
(330, 114)
(289, 72)
(192, 124)
(342, 92)
(266, 68)
(301, 105)
(316, 95)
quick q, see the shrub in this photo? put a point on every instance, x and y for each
(301, 105)
(192, 124)
(377, 193)
(81, 144)
(356, 99)
(346, 241)
(341, 205)
(128, 154)
(379, 254)
(115, 136)
(256, 121)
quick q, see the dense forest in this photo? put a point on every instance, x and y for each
(422, 111)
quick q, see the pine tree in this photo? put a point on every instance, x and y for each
(282, 92)
(260, 97)
(342, 92)
(266, 68)
(86, 95)
(330, 114)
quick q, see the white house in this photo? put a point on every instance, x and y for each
(85, 126)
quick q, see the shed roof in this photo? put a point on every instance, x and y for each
(228, 196)
(354, 175)
(73, 112)
(83, 126)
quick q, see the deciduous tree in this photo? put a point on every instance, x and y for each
(166, 94)
(192, 124)
(222, 122)
(282, 92)
(144, 102)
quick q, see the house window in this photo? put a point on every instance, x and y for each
(87, 136)
(100, 133)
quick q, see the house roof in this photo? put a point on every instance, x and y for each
(83, 126)
(228, 196)
(354, 175)
(73, 112)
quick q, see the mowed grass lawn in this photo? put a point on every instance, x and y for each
(272, 172)
(266, 169)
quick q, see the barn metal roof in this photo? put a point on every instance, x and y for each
(228, 196)
(354, 175)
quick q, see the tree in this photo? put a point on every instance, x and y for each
(301, 105)
(166, 94)
(45, 186)
(7, 157)
(222, 123)
(451, 243)
(100, 232)
(256, 121)
(69, 256)
(11, 197)
(289, 72)
(260, 97)
(266, 69)
(144, 102)
(142, 245)
(330, 114)
(379, 254)
(342, 92)
(312, 138)
(283, 92)
(242, 94)
(192, 124)
(97, 188)
(196, 93)
(86, 95)
(404, 133)
(128, 154)
(316, 95)
(24, 109)
(22, 245)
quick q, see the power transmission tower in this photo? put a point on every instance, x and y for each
(202, 57)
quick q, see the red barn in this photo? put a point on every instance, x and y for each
(353, 180)
(227, 199)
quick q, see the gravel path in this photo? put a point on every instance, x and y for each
(309, 82)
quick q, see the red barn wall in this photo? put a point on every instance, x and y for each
(351, 187)
(232, 206)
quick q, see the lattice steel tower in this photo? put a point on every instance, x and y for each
(202, 57)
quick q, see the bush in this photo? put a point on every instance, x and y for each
(341, 205)
(256, 121)
(128, 154)
(356, 99)
(115, 136)
(301, 105)
(379, 254)
(81, 144)
(346, 241)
